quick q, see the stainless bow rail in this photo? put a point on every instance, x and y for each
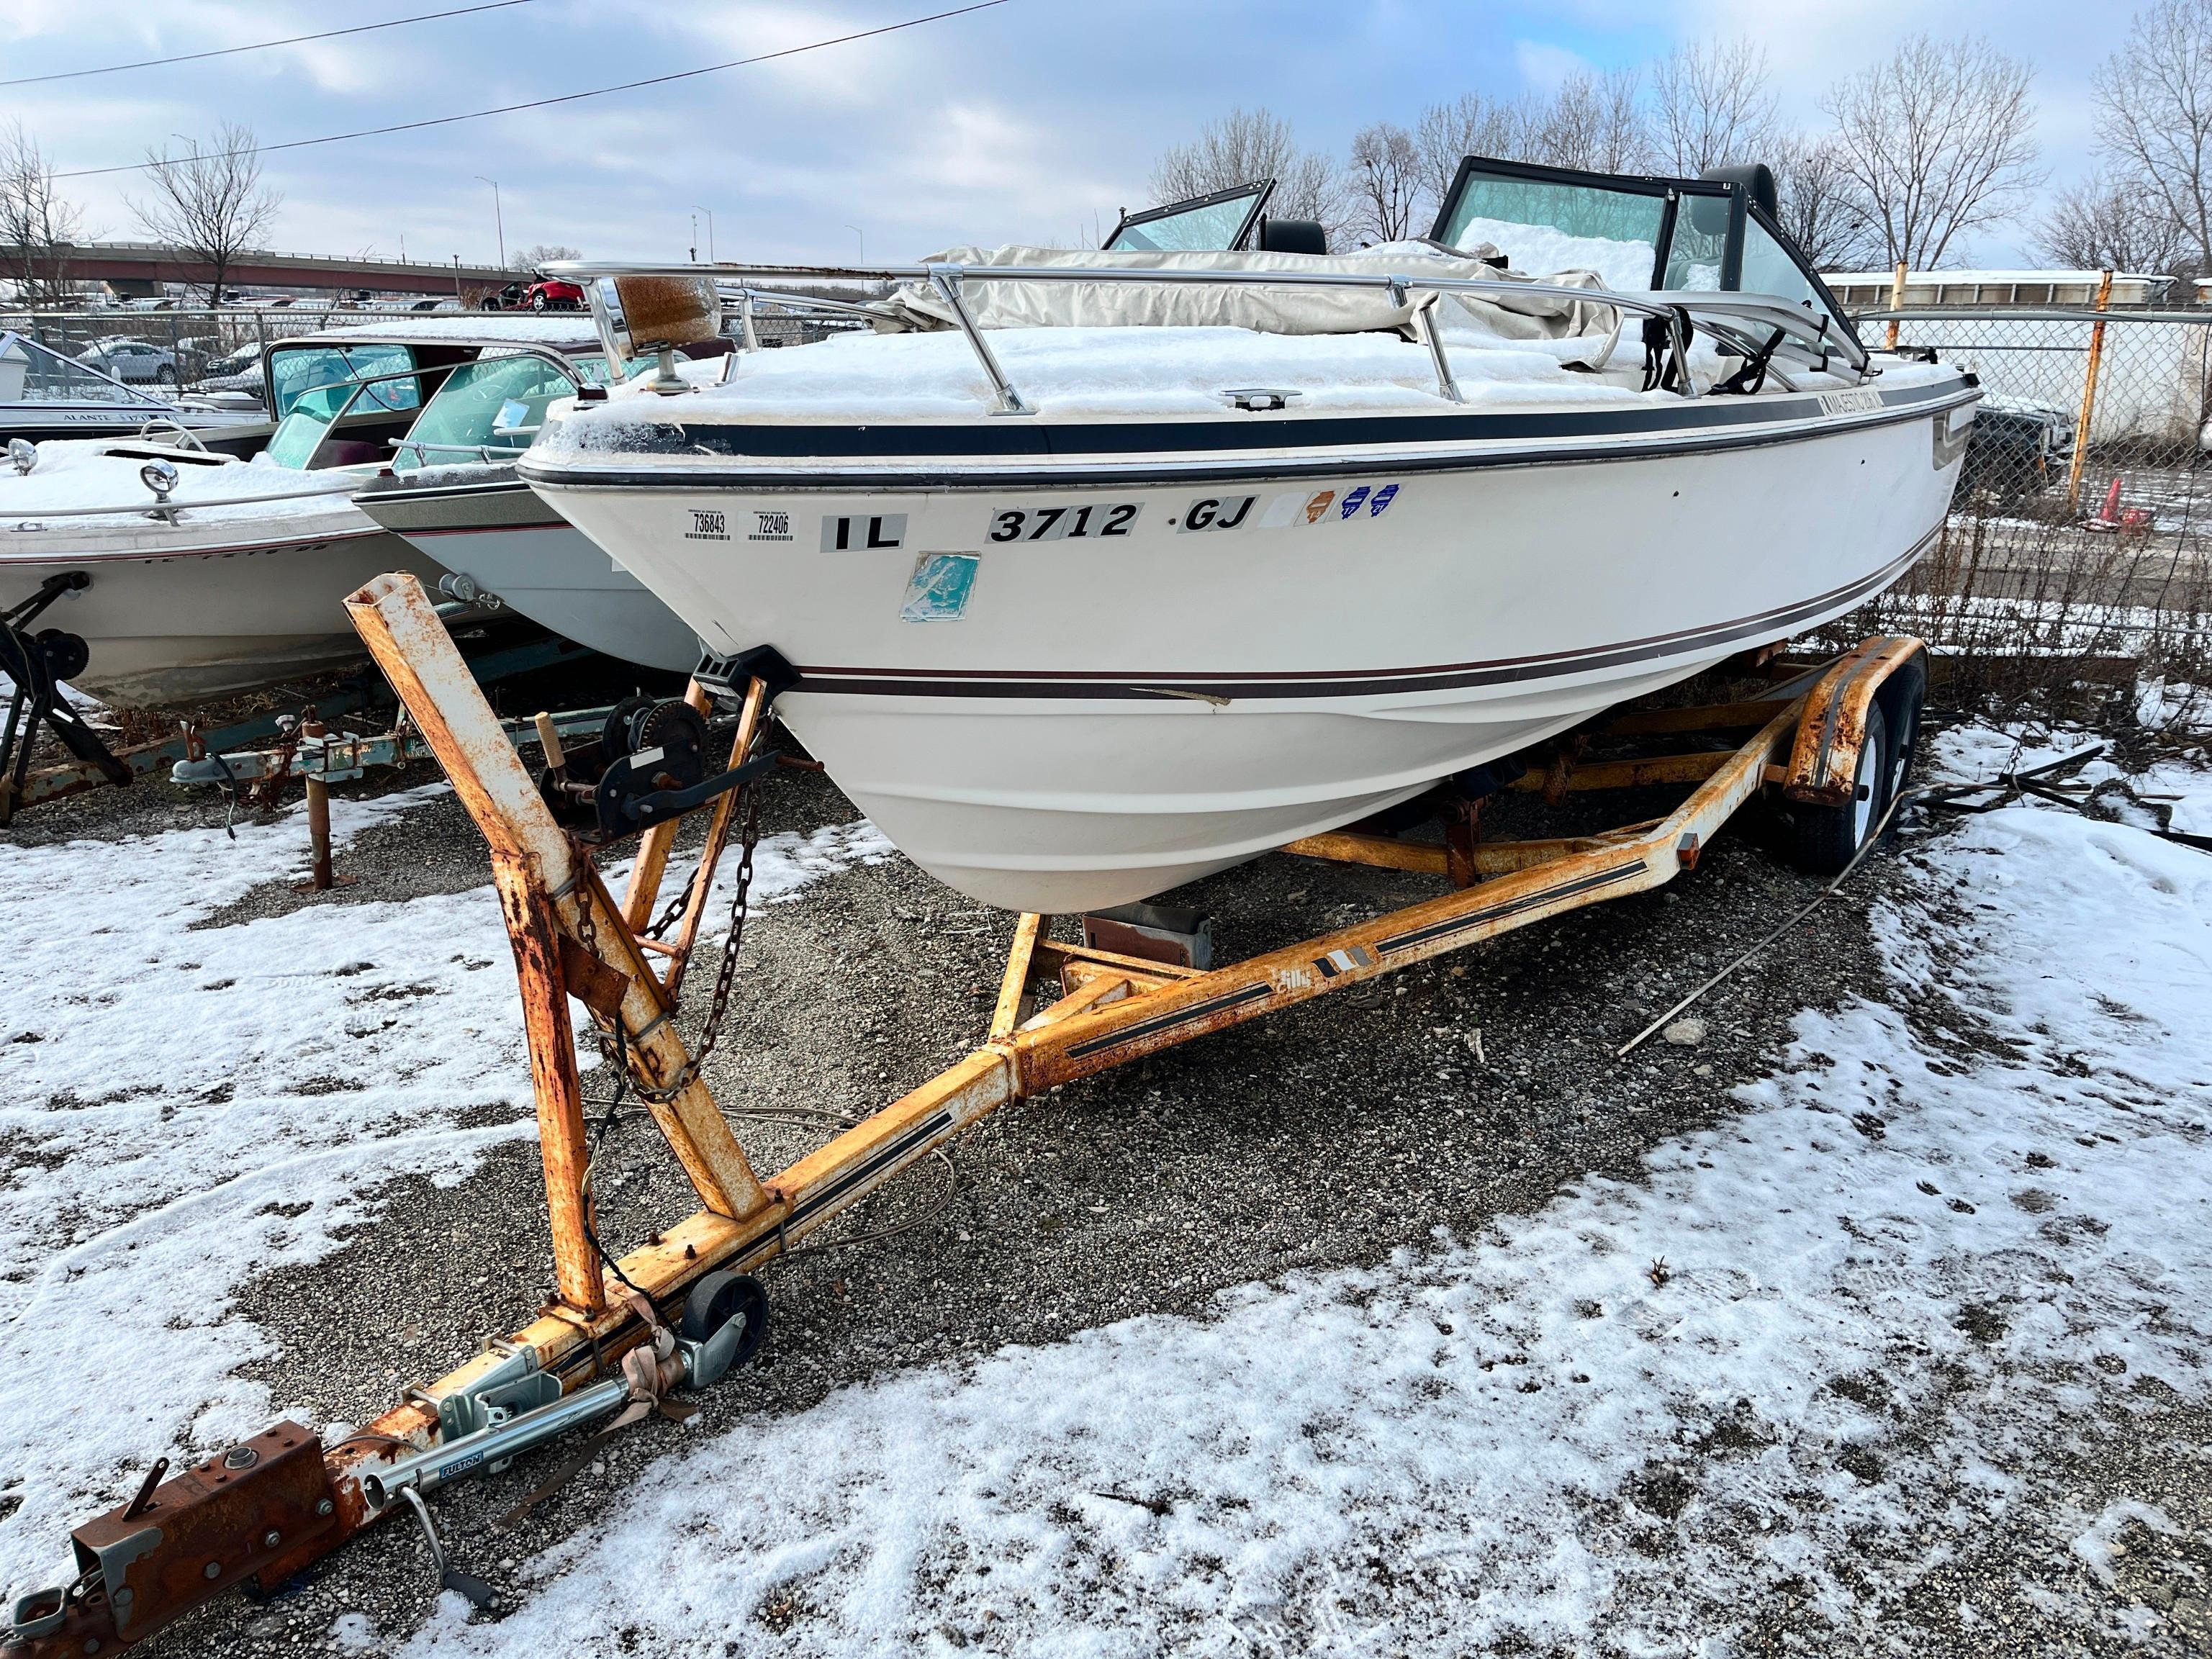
(1732, 319)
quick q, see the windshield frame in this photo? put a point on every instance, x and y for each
(34, 348)
(566, 366)
(1261, 190)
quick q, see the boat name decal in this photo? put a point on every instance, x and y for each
(770, 525)
(1054, 523)
(707, 525)
(940, 587)
(879, 530)
(1288, 510)
(1860, 400)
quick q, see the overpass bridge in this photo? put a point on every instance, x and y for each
(139, 268)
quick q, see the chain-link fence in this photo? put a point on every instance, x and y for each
(2075, 558)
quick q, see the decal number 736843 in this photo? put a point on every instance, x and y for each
(1052, 524)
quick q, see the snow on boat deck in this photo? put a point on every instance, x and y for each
(1083, 374)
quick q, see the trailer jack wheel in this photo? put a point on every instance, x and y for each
(1829, 837)
(725, 1318)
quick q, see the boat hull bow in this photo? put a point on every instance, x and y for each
(1059, 696)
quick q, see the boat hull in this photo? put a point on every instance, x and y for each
(1065, 722)
(177, 615)
(509, 542)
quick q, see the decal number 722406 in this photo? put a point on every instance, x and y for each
(1052, 524)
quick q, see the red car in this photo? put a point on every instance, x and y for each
(542, 293)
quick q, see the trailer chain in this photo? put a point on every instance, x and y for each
(615, 1049)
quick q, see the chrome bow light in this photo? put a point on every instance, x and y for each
(160, 478)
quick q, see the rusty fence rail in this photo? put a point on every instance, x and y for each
(2079, 547)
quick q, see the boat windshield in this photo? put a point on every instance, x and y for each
(1548, 225)
(296, 370)
(1212, 223)
(35, 374)
(490, 409)
(1714, 234)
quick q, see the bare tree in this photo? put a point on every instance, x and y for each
(209, 203)
(2154, 117)
(1593, 121)
(37, 224)
(1711, 106)
(538, 255)
(1821, 206)
(2112, 223)
(1471, 124)
(1386, 181)
(1939, 139)
(1245, 145)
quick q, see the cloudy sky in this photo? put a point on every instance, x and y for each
(1034, 120)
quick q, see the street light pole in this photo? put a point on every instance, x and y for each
(863, 235)
(709, 212)
(497, 218)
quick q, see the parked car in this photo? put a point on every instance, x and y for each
(541, 293)
(131, 361)
(2018, 448)
(240, 372)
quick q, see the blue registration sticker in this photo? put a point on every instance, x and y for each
(939, 588)
(1351, 504)
(1383, 497)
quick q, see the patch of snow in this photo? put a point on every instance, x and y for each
(185, 1108)
(1460, 1450)
(75, 473)
(2098, 1545)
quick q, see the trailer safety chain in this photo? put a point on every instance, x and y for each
(616, 1053)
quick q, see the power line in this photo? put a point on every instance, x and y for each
(536, 103)
(261, 45)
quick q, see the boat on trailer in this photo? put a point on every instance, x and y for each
(1108, 570)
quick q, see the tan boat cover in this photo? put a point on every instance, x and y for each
(1288, 310)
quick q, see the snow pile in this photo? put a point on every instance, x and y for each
(1801, 1356)
(185, 1108)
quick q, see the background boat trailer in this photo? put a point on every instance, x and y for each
(620, 1335)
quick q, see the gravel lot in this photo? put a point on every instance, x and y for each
(1329, 1137)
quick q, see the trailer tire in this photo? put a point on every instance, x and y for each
(717, 1299)
(1829, 837)
(1901, 698)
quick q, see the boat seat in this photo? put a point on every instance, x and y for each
(1292, 236)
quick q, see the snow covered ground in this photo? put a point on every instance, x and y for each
(1800, 1359)
(1606, 1427)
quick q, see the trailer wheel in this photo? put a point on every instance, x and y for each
(1829, 837)
(1900, 698)
(717, 1299)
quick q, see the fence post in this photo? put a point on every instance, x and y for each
(2088, 395)
(1896, 301)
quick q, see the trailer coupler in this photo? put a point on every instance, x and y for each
(270, 1501)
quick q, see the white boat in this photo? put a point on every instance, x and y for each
(44, 395)
(1081, 610)
(236, 580)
